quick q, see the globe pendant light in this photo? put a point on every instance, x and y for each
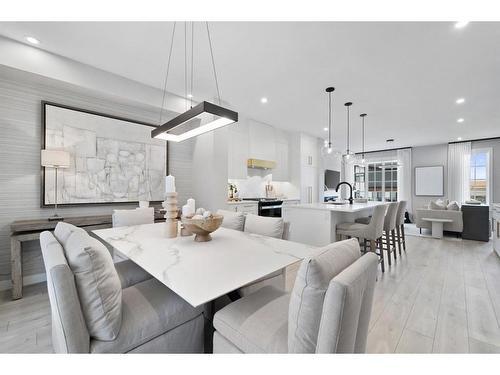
(329, 90)
(348, 153)
(363, 115)
(201, 118)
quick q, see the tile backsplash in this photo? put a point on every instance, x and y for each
(255, 187)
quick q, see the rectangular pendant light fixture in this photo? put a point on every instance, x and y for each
(200, 119)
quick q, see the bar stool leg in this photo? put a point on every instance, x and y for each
(404, 238)
(398, 235)
(393, 237)
(381, 251)
(388, 247)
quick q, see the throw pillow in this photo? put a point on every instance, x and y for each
(437, 205)
(308, 294)
(97, 283)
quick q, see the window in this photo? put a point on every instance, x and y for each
(382, 181)
(479, 175)
(359, 182)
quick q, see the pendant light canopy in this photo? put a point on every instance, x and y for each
(329, 90)
(363, 115)
(201, 118)
(348, 153)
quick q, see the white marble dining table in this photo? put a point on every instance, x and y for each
(200, 272)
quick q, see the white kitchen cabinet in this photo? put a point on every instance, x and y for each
(282, 170)
(496, 228)
(309, 151)
(262, 141)
(238, 148)
(291, 202)
(309, 184)
(245, 207)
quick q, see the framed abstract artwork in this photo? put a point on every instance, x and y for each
(429, 181)
(112, 159)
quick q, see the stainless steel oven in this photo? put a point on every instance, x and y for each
(270, 207)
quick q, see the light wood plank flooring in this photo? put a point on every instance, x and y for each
(442, 296)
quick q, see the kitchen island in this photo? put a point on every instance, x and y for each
(314, 223)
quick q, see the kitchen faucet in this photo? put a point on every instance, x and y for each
(350, 188)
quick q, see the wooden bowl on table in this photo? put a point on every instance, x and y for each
(203, 227)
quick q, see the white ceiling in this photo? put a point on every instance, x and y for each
(406, 76)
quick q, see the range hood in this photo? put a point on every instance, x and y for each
(261, 164)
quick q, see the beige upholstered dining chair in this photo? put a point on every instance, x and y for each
(125, 218)
(232, 220)
(97, 307)
(138, 216)
(270, 227)
(328, 310)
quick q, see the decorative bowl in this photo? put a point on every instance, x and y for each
(202, 227)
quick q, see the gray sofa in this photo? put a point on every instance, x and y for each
(456, 225)
(153, 318)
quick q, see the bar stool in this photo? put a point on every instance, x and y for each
(371, 232)
(390, 230)
(400, 226)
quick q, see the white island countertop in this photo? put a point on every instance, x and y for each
(316, 223)
(355, 207)
(200, 272)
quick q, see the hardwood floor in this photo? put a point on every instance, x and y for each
(442, 296)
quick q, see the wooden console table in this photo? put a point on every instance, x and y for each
(29, 230)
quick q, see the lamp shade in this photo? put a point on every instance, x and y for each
(55, 159)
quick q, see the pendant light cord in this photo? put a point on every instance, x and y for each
(329, 120)
(363, 136)
(213, 62)
(166, 75)
(192, 61)
(348, 127)
(185, 66)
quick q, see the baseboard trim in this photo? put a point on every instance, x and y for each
(27, 280)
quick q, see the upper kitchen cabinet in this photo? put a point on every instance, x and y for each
(238, 151)
(262, 141)
(309, 151)
(282, 170)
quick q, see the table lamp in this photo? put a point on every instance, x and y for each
(55, 159)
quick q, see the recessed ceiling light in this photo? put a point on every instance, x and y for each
(325, 129)
(460, 120)
(461, 24)
(459, 138)
(32, 40)
(263, 100)
(190, 96)
(389, 140)
(460, 101)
